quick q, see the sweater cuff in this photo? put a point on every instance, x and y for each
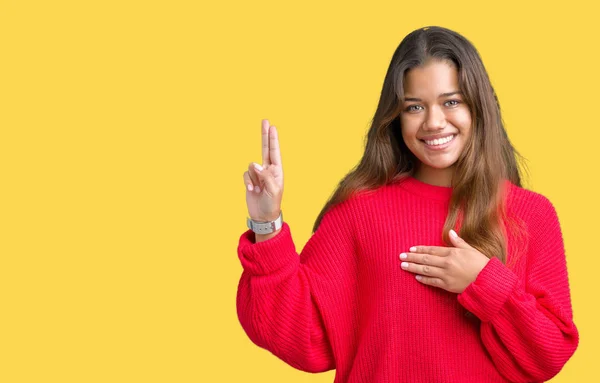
(490, 290)
(268, 256)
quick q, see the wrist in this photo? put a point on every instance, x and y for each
(265, 237)
(272, 216)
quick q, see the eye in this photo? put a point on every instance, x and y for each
(456, 102)
(410, 108)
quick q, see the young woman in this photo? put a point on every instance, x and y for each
(385, 290)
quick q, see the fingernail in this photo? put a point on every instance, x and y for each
(258, 167)
(404, 265)
(453, 234)
(249, 187)
(403, 256)
(257, 189)
(413, 249)
(419, 277)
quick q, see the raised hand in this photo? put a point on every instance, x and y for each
(264, 184)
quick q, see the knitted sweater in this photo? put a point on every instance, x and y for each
(344, 303)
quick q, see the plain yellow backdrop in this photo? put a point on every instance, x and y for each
(126, 127)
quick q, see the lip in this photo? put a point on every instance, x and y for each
(439, 147)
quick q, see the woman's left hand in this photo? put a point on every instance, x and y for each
(449, 268)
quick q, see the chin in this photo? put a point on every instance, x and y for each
(440, 164)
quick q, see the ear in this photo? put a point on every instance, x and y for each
(458, 241)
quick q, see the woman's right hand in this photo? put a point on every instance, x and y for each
(264, 184)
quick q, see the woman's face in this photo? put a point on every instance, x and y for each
(435, 120)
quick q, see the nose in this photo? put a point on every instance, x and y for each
(435, 119)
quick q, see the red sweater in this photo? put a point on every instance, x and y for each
(344, 303)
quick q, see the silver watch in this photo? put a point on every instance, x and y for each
(265, 227)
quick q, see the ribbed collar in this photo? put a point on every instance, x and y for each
(422, 189)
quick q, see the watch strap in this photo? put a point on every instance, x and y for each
(265, 227)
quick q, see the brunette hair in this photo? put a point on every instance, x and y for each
(488, 159)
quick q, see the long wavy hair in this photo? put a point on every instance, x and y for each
(488, 159)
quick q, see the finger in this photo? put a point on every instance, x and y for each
(248, 182)
(274, 152)
(458, 241)
(263, 179)
(423, 259)
(253, 172)
(435, 282)
(266, 179)
(265, 142)
(430, 271)
(433, 250)
(269, 183)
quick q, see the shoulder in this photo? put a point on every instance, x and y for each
(360, 202)
(341, 213)
(366, 196)
(527, 204)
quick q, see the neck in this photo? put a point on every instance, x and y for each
(436, 177)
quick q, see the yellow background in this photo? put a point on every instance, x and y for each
(126, 127)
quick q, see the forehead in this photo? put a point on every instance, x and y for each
(431, 79)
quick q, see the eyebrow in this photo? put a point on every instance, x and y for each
(440, 96)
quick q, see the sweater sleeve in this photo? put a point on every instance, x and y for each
(527, 323)
(282, 295)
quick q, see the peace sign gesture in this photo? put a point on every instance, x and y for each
(264, 184)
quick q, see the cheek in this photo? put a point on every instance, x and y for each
(409, 139)
(462, 121)
(409, 128)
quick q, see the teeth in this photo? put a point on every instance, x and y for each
(440, 141)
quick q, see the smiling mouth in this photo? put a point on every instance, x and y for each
(439, 142)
